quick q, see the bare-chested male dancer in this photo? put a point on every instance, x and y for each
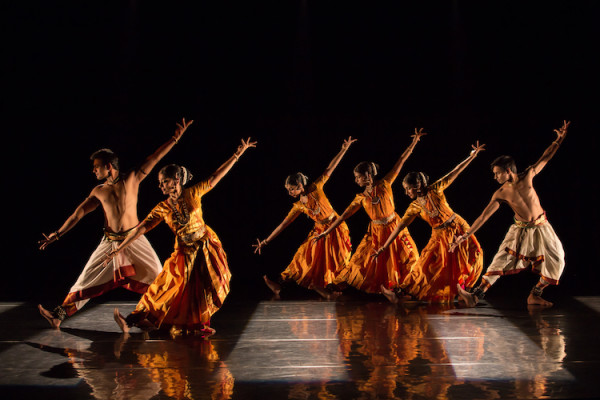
(531, 239)
(135, 268)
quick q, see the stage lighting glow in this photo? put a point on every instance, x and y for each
(312, 349)
(494, 348)
(592, 302)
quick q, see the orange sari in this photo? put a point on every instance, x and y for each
(435, 275)
(317, 263)
(366, 272)
(195, 279)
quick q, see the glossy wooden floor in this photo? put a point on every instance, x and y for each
(351, 348)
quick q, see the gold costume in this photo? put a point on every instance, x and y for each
(435, 275)
(366, 272)
(195, 279)
(318, 262)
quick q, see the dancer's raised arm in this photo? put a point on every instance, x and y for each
(338, 157)
(452, 175)
(551, 150)
(224, 169)
(153, 159)
(393, 174)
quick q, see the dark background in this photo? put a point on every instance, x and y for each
(299, 77)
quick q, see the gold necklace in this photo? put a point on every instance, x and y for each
(183, 217)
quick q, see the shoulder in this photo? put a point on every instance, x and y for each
(383, 183)
(358, 199)
(501, 194)
(98, 190)
(413, 208)
(313, 187)
(529, 173)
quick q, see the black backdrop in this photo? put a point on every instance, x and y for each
(299, 77)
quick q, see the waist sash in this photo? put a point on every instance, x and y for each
(192, 237)
(532, 224)
(385, 220)
(446, 223)
(327, 220)
(117, 236)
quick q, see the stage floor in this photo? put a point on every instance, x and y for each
(310, 349)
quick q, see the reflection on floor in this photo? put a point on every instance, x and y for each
(346, 349)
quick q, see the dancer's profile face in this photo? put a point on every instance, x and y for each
(295, 190)
(99, 169)
(362, 180)
(411, 190)
(167, 185)
(501, 175)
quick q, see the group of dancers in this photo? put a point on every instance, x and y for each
(193, 283)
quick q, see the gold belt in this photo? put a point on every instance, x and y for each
(117, 236)
(446, 223)
(327, 220)
(385, 220)
(190, 238)
(532, 224)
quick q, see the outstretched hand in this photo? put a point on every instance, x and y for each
(457, 241)
(418, 134)
(51, 238)
(181, 128)
(562, 132)
(348, 142)
(244, 146)
(259, 245)
(477, 148)
(377, 252)
(108, 257)
(319, 236)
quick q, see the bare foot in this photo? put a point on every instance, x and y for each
(274, 286)
(469, 298)
(389, 294)
(326, 294)
(120, 321)
(538, 301)
(208, 331)
(54, 322)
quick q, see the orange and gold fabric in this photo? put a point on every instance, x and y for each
(195, 279)
(317, 263)
(366, 272)
(435, 275)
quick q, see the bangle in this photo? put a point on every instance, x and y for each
(556, 143)
(57, 235)
(237, 158)
(175, 139)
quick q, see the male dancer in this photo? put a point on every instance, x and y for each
(133, 269)
(530, 240)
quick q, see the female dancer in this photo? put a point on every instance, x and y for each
(315, 264)
(365, 272)
(435, 275)
(195, 279)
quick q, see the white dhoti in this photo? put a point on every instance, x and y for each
(532, 244)
(134, 269)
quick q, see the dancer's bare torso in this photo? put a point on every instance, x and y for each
(521, 196)
(119, 202)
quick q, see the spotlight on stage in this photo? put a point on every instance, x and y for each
(289, 342)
